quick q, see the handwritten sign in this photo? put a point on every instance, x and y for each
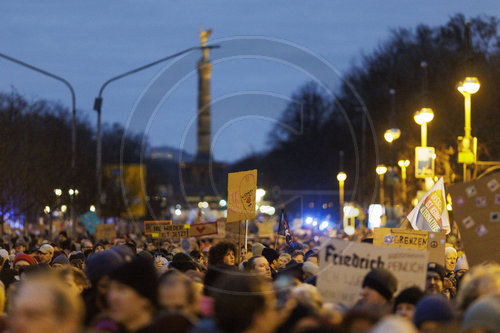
(172, 231)
(241, 190)
(421, 240)
(476, 207)
(203, 229)
(343, 266)
(105, 231)
(151, 227)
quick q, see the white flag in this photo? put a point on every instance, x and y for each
(431, 213)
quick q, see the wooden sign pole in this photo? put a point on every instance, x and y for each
(239, 243)
(246, 234)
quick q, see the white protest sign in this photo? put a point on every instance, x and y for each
(343, 266)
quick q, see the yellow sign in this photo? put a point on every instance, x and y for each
(172, 231)
(241, 190)
(424, 162)
(422, 240)
(105, 231)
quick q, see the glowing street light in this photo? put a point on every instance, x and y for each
(467, 144)
(422, 117)
(58, 192)
(341, 177)
(381, 170)
(392, 134)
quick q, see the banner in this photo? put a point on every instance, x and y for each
(203, 229)
(476, 208)
(90, 220)
(431, 213)
(343, 266)
(422, 240)
(424, 162)
(133, 177)
(172, 231)
(241, 189)
(105, 232)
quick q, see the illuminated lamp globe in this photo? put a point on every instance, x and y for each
(425, 115)
(469, 86)
(341, 176)
(381, 169)
(403, 163)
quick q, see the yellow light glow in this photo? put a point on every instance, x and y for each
(404, 163)
(341, 176)
(64, 208)
(259, 194)
(58, 192)
(424, 116)
(414, 202)
(92, 208)
(381, 169)
(388, 136)
(46, 210)
(448, 206)
(469, 86)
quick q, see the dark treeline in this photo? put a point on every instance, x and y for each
(310, 159)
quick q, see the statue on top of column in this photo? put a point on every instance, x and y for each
(204, 34)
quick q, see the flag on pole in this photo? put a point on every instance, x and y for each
(431, 213)
(284, 228)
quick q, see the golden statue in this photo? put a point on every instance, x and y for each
(204, 34)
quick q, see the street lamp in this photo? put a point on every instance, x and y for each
(341, 177)
(381, 170)
(392, 134)
(467, 148)
(98, 108)
(422, 117)
(403, 164)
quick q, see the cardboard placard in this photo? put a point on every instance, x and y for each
(241, 190)
(476, 207)
(151, 227)
(105, 231)
(172, 231)
(421, 240)
(203, 229)
(266, 229)
(343, 266)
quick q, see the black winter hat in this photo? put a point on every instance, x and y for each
(435, 267)
(381, 280)
(409, 295)
(140, 275)
(270, 254)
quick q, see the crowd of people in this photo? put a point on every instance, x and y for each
(138, 284)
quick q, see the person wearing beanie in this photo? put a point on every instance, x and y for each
(483, 316)
(379, 285)
(309, 269)
(432, 312)
(22, 259)
(406, 302)
(133, 295)
(60, 260)
(257, 249)
(434, 283)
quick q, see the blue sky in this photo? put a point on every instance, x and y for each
(87, 42)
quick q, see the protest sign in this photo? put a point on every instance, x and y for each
(266, 229)
(241, 190)
(476, 208)
(90, 220)
(151, 227)
(343, 266)
(203, 229)
(421, 240)
(105, 231)
(431, 213)
(172, 231)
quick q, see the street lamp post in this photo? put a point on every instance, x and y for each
(341, 177)
(98, 107)
(403, 164)
(422, 117)
(58, 193)
(467, 149)
(381, 170)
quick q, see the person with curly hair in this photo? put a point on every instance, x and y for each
(222, 253)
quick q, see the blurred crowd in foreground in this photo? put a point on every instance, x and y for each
(135, 284)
